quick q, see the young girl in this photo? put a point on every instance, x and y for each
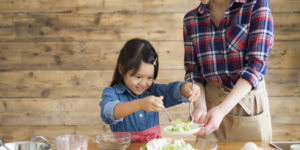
(132, 102)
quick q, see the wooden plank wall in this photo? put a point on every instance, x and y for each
(56, 56)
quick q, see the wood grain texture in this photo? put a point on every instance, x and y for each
(89, 83)
(56, 57)
(91, 27)
(285, 55)
(285, 109)
(68, 111)
(286, 132)
(24, 133)
(103, 55)
(95, 6)
(39, 27)
(79, 55)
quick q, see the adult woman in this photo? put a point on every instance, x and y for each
(226, 52)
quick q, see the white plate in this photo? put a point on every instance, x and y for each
(195, 129)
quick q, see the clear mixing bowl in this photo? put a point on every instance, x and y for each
(113, 141)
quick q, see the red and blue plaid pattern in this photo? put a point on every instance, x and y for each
(239, 47)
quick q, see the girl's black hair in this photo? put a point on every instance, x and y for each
(133, 53)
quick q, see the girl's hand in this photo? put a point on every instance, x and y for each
(193, 93)
(212, 121)
(152, 103)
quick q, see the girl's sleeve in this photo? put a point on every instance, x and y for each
(260, 42)
(171, 93)
(109, 100)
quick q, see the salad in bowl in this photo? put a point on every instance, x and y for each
(182, 128)
(167, 144)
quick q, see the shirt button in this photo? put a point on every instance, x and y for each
(141, 115)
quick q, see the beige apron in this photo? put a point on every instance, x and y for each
(249, 120)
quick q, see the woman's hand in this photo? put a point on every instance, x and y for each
(152, 103)
(199, 112)
(215, 115)
(199, 104)
(212, 121)
(187, 90)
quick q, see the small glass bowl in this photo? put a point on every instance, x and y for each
(113, 141)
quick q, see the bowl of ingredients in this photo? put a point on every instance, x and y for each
(167, 144)
(182, 128)
(113, 141)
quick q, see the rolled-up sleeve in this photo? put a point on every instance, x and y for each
(260, 42)
(178, 94)
(191, 64)
(107, 104)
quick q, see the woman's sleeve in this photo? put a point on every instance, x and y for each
(260, 41)
(191, 65)
(109, 100)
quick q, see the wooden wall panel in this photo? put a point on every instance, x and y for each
(79, 55)
(37, 111)
(24, 133)
(57, 56)
(285, 55)
(41, 6)
(113, 26)
(92, 27)
(95, 6)
(85, 83)
(286, 132)
(89, 83)
(285, 109)
(103, 55)
(54, 83)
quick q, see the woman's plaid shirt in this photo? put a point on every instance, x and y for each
(239, 47)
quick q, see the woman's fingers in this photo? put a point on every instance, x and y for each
(212, 121)
(206, 128)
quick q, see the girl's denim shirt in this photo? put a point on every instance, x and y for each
(140, 120)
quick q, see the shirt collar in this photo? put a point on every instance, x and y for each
(202, 8)
(121, 88)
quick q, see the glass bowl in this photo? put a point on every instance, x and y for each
(71, 141)
(113, 141)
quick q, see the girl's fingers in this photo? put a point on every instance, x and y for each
(158, 103)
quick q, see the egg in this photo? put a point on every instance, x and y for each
(250, 146)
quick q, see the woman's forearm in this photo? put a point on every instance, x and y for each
(200, 103)
(241, 88)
